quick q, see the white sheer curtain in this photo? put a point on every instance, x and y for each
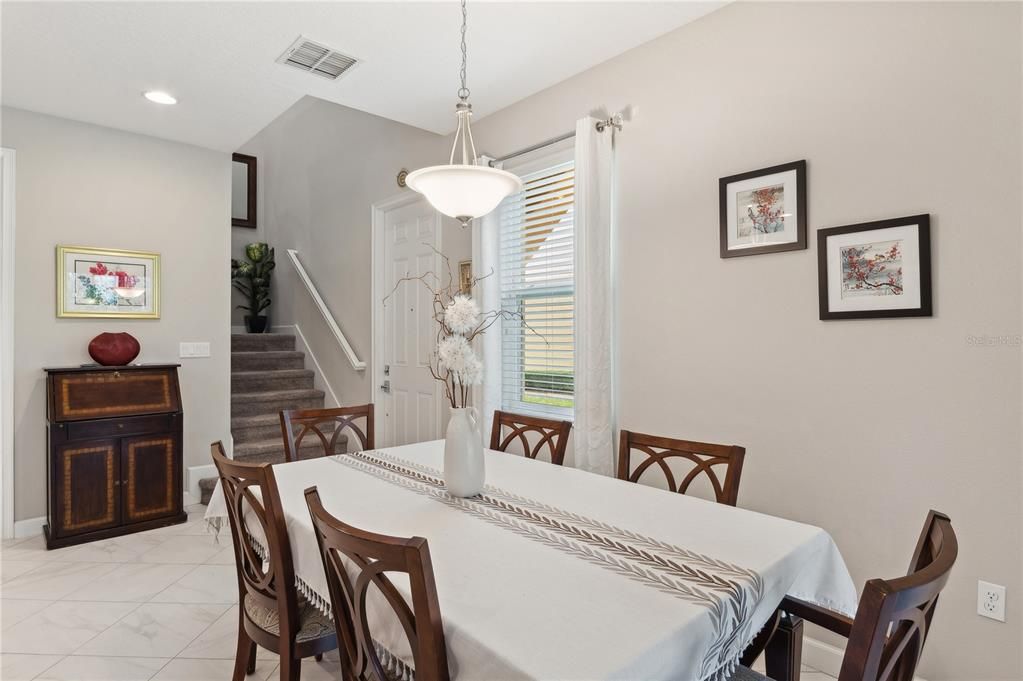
(485, 232)
(593, 433)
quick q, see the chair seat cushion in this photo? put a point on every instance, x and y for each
(745, 674)
(312, 623)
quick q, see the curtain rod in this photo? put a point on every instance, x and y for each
(534, 147)
(615, 122)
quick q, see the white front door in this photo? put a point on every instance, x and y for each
(408, 398)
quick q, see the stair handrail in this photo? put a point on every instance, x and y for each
(357, 363)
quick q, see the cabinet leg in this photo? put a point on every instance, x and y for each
(784, 653)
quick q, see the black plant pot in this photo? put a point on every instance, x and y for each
(255, 324)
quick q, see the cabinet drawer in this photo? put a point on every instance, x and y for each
(138, 425)
(84, 395)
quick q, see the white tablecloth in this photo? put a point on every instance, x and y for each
(555, 573)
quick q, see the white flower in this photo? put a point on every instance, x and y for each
(472, 374)
(457, 356)
(452, 351)
(462, 314)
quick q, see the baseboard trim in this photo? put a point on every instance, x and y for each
(826, 657)
(320, 381)
(238, 329)
(29, 527)
(194, 475)
(822, 656)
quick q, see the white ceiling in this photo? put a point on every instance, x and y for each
(90, 61)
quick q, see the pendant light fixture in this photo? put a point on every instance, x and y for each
(462, 189)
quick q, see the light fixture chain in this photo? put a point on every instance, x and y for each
(463, 92)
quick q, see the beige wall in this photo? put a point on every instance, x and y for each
(85, 185)
(322, 166)
(856, 426)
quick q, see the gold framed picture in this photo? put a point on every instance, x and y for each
(104, 282)
(465, 277)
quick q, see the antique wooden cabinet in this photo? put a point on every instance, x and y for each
(113, 451)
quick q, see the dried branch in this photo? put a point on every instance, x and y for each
(443, 295)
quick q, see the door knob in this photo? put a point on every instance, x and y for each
(386, 387)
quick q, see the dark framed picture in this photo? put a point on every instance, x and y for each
(763, 211)
(243, 191)
(465, 277)
(876, 269)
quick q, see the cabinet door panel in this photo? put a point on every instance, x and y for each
(152, 487)
(88, 486)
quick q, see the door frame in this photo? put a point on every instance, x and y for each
(380, 210)
(7, 179)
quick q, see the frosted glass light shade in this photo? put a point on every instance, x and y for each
(464, 192)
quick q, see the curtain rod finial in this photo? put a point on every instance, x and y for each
(616, 121)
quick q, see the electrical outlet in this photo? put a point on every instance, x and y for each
(991, 601)
(193, 350)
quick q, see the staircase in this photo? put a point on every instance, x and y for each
(267, 375)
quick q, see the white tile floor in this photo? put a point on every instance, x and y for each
(158, 605)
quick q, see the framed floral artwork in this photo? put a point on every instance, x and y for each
(98, 282)
(763, 211)
(875, 269)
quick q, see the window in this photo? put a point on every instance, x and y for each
(537, 266)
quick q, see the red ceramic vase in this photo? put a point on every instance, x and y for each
(114, 349)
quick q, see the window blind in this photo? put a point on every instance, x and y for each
(537, 279)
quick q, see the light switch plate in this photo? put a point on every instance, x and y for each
(186, 350)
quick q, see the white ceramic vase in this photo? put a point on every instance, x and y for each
(464, 473)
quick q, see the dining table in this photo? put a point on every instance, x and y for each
(557, 573)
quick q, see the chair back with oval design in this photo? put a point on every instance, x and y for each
(894, 616)
(257, 520)
(547, 434)
(704, 456)
(326, 426)
(354, 561)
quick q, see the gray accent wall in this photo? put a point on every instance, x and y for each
(859, 427)
(84, 185)
(322, 166)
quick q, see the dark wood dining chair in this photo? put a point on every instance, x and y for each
(888, 633)
(271, 613)
(551, 435)
(354, 560)
(326, 425)
(704, 456)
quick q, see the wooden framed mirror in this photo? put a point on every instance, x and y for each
(243, 191)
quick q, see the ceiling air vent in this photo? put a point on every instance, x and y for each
(316, 59)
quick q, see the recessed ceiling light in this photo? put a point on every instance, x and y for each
(159, 97)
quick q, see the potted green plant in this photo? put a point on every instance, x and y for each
(252, 279)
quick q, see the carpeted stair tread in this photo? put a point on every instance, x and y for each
(278, 379)
(271, 360)
(241, 342)
(268, 354)
(273, 372)
(240, 422)
(246, 450)
(253, 404)
(262, 427)
(277, 395)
